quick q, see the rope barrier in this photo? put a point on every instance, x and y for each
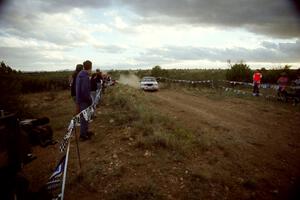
(55, 181)
(262, 85)
(233, 83)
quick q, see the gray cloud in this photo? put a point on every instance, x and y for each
(276, 18)
(269, 53)
(53, 6)
(113, 49)
(25, 19)
(155, 57)
(64, 5)
(28, 58)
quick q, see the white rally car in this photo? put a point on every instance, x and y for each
(149, 83)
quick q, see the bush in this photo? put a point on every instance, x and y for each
(10, 88)
(157, 71)
(13, 84)
(239, 72)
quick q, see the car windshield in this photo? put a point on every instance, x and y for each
(149, 79)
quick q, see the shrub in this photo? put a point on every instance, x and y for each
(239, 72)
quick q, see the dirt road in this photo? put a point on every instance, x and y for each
(242, 148)
(248, 140)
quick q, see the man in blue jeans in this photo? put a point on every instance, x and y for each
(83, 97)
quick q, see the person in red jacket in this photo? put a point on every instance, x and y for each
(256, 82)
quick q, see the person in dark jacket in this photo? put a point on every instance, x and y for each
(93, 88)
(99, 85)
(79, 67)
(83, 97)
(283, 82)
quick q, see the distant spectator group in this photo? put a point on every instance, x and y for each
(85, 86)
(285, 92)
(286, 88)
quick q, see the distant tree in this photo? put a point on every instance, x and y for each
(239, 72)
(2, 68)
(287, 67)
(157, 71)
(263, 69)
(5, 69)
(8, 70)
(229, 62)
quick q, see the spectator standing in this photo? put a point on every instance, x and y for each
(99, 84)
(79, 67)
(257, 76)
(296, 88)
(83, 97)
(104, 81)
(98, 78)
(296, 82)
(93, 88)
(282, 82)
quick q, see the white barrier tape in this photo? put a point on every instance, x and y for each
(185, 81)
(248, 93)
(65, 144)
(65, 172)
(71, 125)
(262, 85)
(87, 115)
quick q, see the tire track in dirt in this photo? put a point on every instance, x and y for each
(241, 117)
(260, 137)
(195, 111)
(234, 114)
(250, 123)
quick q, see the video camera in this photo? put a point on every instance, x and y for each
(16, 139)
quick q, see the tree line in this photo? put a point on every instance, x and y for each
(13, 83)
(237, 72)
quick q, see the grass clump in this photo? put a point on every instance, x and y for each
(151, 129)
(177, 139)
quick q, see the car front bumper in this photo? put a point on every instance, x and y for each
(149, 87)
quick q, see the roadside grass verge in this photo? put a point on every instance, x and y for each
(219, 94)
(57, 106)
(150, 129)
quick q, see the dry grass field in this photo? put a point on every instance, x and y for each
(175, 144)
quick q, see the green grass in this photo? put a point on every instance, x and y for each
(57, 106)
(151, 129)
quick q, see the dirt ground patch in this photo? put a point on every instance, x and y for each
(245, 141)
(244, 149)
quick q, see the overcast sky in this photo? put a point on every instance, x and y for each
(123, 34)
